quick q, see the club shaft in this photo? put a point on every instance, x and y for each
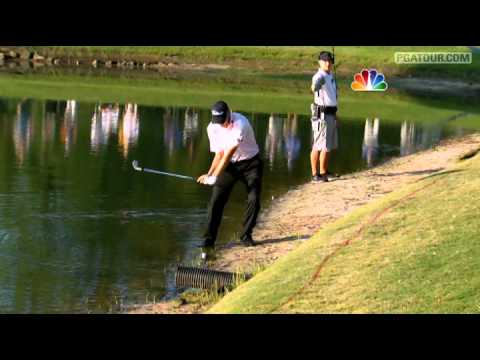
(167, 174)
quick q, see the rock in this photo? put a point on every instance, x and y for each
(96, 63)
(108, 64)
(56, 61)
(11, 55)
(38, 64)
(37, 58)
(24, 54)
(24, 64)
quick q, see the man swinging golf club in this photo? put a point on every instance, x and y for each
(236, 158)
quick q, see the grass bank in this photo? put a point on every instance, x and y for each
(414, 251)
(281, 61)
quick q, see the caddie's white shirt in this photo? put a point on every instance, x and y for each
(241, 134)
(327, 91)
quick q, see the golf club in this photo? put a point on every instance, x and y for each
(138, 168)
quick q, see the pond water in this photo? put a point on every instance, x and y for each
(81, 231)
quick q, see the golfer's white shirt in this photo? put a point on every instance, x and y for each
(241, 134)
(327, 95)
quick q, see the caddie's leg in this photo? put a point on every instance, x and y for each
(314, 155)
(324, 155)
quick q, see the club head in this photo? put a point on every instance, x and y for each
(135, 165)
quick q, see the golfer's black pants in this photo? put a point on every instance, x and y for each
(250, 173)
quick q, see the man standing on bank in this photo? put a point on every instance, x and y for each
(236, 158)
(324, 118)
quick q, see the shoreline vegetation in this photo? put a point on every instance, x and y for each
(288, 62)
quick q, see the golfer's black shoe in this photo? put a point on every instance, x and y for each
(207, 254)
(206, 244)
(248, 242)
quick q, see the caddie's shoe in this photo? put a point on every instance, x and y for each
(320, 178)
(332, 175)
(248, 242)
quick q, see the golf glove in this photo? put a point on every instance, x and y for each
(211, 180)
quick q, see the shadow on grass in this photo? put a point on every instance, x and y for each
(420, 172)
(271, 241)
(440, 174)
(288, 238)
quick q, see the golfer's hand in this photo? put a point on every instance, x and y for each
(201, 179)
(207, 180)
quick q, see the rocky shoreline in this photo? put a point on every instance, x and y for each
(22, 57)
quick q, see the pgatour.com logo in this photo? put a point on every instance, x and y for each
(369, 80)
(433, 57)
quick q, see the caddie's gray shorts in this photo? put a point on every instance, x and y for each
(325, 135)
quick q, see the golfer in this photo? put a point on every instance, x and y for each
(236, 159)
(324, 118)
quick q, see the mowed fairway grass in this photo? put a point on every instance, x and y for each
(417, 250)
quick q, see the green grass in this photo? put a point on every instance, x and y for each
(420, 256)
(260, 97)
(282, 60)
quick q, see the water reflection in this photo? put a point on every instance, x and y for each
(104, 124)
(69, 128)
(172, 135)
(415, 137)
(282, 141)
(190, 131)
(273, 140)
(23, 130)
(291, 140)
(128, 131)
(370, 148)
(49, 122)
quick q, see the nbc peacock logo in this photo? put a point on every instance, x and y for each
(369, 80)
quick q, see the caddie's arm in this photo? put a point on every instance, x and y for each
(317, 85)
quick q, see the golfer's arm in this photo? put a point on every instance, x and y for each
(215, 162)
(224, 161)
